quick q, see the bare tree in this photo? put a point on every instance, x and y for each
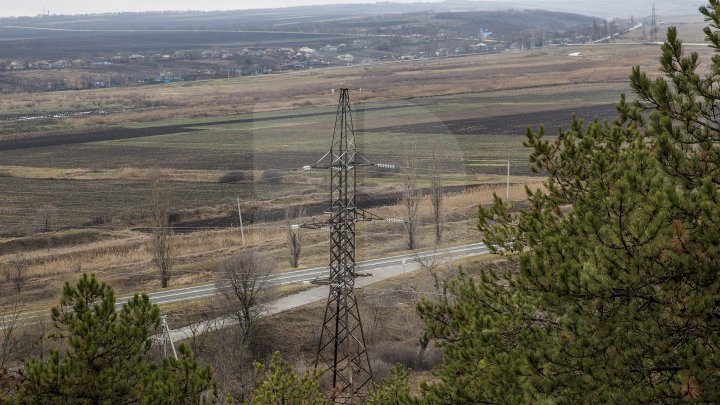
(411, 197)
(160, 209)
(9, 344)
(14, 273)
(436, 265)
(436, 193)
(8, 336)
(241, 279)
(294, 237)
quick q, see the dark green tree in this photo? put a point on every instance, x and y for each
(282, 386)
(394, 390)
(617, 290)
(105, 360)
(179, 381)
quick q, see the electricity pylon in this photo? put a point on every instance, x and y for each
(342, 348)
(653, 25)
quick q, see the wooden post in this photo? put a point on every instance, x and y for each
(507, 183)
(242, 232)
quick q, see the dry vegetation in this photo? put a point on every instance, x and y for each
(124, 258)
(382, 82)
(393, 331)
(102, 186)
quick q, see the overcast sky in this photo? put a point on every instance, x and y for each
(35, 7)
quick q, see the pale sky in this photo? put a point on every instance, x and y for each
(34, 7)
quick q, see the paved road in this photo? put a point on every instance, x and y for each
(294, 277)
(380, 269)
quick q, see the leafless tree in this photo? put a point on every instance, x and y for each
(241, 279)
(436, 193)
(232, 363)
(436, 266)
(14, 273)
(9, 344)
(294, 237)
(411, 197)
(8, 336)
(160, 209)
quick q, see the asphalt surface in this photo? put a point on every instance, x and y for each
(378, 269)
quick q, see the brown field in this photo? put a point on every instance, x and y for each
(88, 177)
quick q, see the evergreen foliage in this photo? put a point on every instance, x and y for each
(105, 361)
(394, 390)
(616, 298)
(282, 386)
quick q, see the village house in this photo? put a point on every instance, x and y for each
(345, 58)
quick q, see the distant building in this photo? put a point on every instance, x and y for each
(17, 65)
(60, 64)
(118, 59)
(480, 47)
(346, 58)
(41, 64)
(136, 58)
(329, 49)
(360, 43)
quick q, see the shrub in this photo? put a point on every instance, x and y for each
(270, 176)
(234, 176)
(407, 354)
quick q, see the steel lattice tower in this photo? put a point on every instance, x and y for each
(653, 24)
(342, 343)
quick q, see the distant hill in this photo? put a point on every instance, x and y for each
(306, 14)
(512, 25)
(606, 8)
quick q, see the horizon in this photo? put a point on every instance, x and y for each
(79, 7)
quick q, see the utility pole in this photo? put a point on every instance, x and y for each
(166, 337)
(342, 348)
(653, 26)
(532, 42)
(242, 232)
(507, 183)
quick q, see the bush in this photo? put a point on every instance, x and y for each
(234, 176)
(269, 176)
(407, 354)
(381, 369)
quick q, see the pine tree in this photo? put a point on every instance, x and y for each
(617, 290)
(282, 386)
(179, 381)
(105, 361)
(394, 390)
